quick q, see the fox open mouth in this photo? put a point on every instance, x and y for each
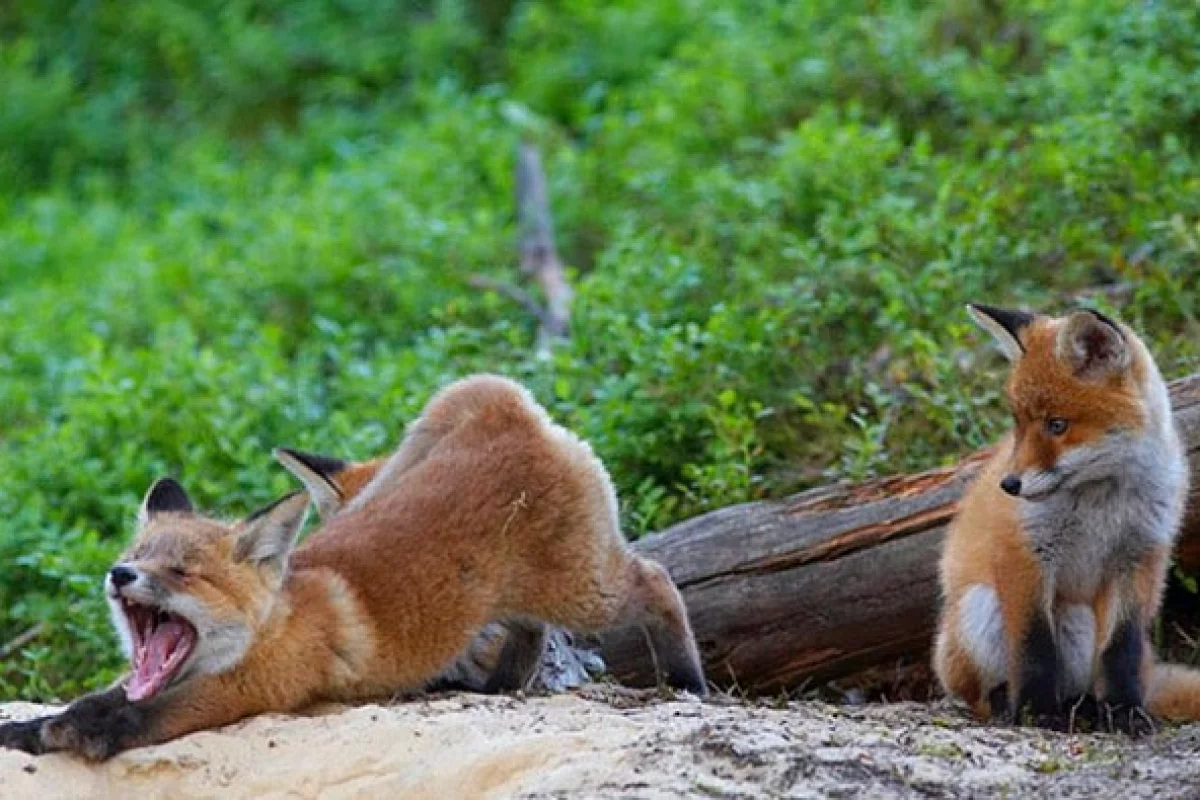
(162, 641)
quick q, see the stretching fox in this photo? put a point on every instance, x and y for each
(488, 511)
(1054, 567)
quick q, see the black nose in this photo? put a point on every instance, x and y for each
(121, 575)
(1011, 484)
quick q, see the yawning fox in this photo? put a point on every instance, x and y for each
(488, 511)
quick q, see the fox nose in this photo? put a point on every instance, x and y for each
(1011, 484)
(122, 575)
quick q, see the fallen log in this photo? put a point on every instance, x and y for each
(831, 581)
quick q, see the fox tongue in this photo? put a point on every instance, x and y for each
(150, 661)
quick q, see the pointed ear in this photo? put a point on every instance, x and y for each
(267, 536)
(164, 496)
(1093, 345)
(318, 474)
(1006, 327)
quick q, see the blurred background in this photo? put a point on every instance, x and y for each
(230, 225)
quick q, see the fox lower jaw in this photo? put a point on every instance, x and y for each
(218, 647)
(222, 644)
(1038, 485)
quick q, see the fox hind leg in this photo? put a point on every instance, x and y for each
(970, 656)
(519, 658)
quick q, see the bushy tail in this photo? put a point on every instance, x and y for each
(1175, 693)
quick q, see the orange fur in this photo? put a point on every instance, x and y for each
(354, 477)
(1042, 385)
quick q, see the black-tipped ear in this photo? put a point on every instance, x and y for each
(164, 496)
(1093, 344)
(325, 465)
(318, 474)
(1106, 319)
(1005, 326)
(267, 536)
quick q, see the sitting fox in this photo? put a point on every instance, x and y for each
(488, 511)
(1054, 567)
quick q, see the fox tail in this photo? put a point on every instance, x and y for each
(1175, 693)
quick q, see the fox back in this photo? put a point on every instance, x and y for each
(483, 501)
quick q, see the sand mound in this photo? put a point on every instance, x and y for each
(607, 743)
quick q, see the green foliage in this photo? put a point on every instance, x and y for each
(230, 225)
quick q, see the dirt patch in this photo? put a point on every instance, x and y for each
(606, 742)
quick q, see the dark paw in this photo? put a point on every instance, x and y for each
(98, 705)
(96, 726)
(1084, 714)
(66, 734)
(1000, 711)
(1039, 710)
(688, 679)
(1132, 720)
(1052, 721)
(23, 736)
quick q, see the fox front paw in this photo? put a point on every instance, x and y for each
(66, 734)
(1037, 709)
(24, 736)
(1132, 720)
(95, 727)
(1059, 720)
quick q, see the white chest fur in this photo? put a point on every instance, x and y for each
(1129, 503)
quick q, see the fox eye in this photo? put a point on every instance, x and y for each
(179, 572)
(1056, 426)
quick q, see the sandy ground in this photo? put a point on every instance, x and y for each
(602, 742)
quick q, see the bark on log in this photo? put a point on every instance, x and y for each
(831, 581)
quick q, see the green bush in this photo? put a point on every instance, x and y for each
(227, 226)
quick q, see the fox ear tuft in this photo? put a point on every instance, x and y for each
(1006, 327)
(164, 496)
(266, 537)
(1093, 344)
(318, 474)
